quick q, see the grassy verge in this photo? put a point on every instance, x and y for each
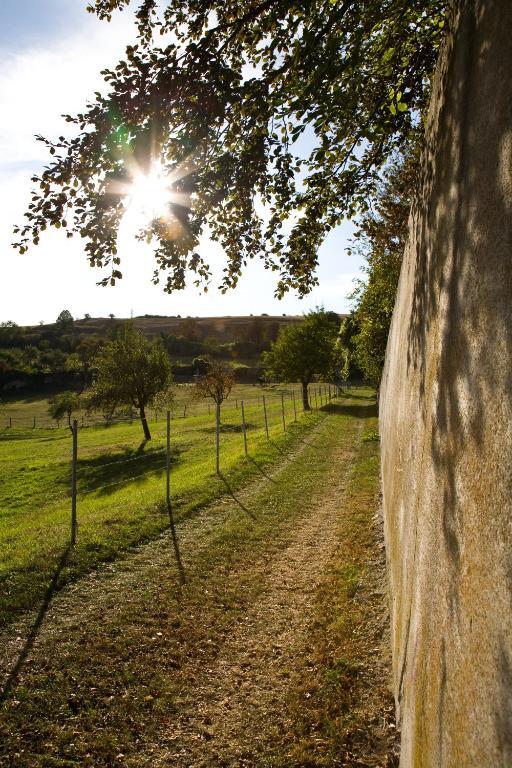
(99, 692)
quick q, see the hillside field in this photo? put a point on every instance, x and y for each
(222, 328)
(19, 411)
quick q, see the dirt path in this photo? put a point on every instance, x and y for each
(237, 708)
(131, 669)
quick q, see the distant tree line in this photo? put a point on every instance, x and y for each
(54, 353)
(60, 354)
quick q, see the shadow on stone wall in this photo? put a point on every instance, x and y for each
(458, 343)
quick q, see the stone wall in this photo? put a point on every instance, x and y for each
(446, 415)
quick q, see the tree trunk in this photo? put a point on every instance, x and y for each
(305, 396)
(147, 433)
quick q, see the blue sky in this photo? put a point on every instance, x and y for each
(51, 53)
(29, 22)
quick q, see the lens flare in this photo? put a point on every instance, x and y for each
(149, 195)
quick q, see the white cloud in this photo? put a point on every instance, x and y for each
(38, 85)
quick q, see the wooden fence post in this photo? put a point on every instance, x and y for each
(265, 414)
(74, 459)
(168, 463)
(217, 438)
(244, 428)
(282, 411)
(168, 499)
(294, 405)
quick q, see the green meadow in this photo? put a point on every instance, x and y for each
(121, 482)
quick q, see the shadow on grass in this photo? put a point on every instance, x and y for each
(231, 428)
(236, 499)
(176, 546)
(53, 587)
(278, 448)
(104, 474)
(261, 470)
(315, 446)
(359, 410)
(349, 395)
(39, 434)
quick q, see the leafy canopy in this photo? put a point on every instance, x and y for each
(303, 350)
(65, 319)
(381, 239)
(293, 104)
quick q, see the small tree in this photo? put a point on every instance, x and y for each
(64, 404)
(303, 351)
(201, 366)
(65, 320)
(164, 400)
(216, 385)
(130, 370)
(346, 346)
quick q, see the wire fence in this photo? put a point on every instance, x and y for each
(102, 490)
(253, 415)
(180, 409)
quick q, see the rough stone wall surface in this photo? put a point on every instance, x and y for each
(446, 415)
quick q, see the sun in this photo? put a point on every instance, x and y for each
(149, 195)
(154, 195)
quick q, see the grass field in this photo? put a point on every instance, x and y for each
(121, 484)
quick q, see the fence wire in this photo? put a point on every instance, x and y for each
(266, 415)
